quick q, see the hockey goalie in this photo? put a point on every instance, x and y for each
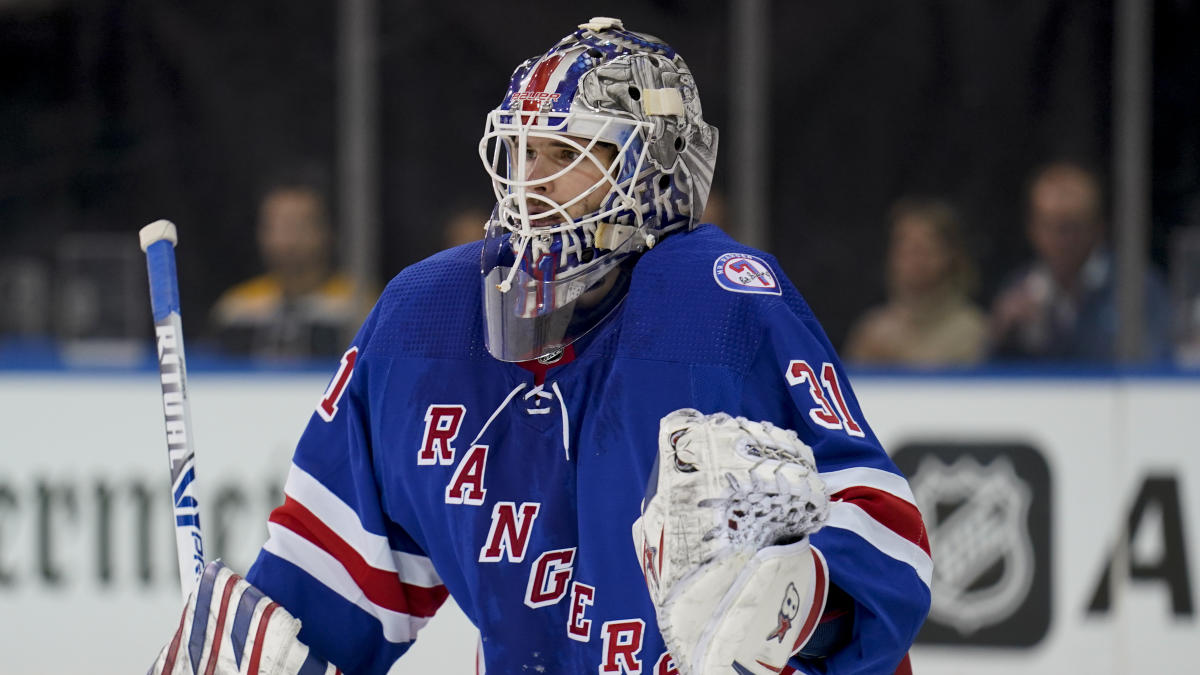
(617, 437)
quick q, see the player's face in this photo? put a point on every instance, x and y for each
(548, 157)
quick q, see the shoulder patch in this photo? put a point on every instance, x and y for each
(745, 273)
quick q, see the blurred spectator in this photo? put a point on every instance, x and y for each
(928, 319)
(24, 298)
(1062, 307)
(301, 307)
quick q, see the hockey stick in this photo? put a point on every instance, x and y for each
(158, 241)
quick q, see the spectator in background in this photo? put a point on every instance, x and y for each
(25, 300)
(928, 319)
(1062, 307)
(300, 307)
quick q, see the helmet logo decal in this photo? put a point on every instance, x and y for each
(539, 98)
(533, 95)
(745, 273)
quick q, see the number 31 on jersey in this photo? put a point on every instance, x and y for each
(824, 414)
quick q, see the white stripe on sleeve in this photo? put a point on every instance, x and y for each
(848, 516)
(397, 627)
(338, 516)
(836, 481)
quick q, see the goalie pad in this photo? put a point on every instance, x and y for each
(723, 542)
(230, 627)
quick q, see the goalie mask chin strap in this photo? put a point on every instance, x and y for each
(538, 393)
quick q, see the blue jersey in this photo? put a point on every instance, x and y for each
(430, 468)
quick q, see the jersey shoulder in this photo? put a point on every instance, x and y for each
(701, 296)
(432, 308)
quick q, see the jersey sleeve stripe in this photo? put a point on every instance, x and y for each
(888, 482)
(849, 516)
(896, 514)
(381, 586)
(398, 627)
(339, 517)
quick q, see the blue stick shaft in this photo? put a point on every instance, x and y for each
(168, 330)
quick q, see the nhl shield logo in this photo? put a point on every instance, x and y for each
(976, 515)
(745, 273)
(987, 508)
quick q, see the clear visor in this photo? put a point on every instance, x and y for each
(529, 313)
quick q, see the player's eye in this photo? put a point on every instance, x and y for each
(568, 155)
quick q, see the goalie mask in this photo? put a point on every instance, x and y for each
(597, 152)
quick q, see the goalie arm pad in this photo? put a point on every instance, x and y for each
(230, 627)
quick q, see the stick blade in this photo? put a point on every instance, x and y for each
(157, 231)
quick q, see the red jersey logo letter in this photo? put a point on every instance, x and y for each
(466, 487)
(509, 532)
(582, 596)
(622, 642)
(441, 428)
(548, 577)
(665, 665)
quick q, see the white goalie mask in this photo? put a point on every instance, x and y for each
(597, 151)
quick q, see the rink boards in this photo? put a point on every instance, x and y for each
(1063, 514)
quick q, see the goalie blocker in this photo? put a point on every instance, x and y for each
(723, 542)
(229, 627)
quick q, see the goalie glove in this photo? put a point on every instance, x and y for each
(230, 627)
(723, 542)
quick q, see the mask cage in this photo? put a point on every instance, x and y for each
(504, 149)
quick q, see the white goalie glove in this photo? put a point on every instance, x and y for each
(723, 542)
(230, 627)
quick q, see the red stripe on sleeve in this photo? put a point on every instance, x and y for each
(382, 587)
(892, 512)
